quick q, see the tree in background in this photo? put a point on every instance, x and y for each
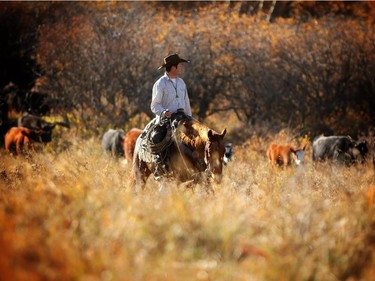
(17, 45)
(292, 64)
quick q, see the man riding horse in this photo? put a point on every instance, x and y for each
(169, 99)
(189, 150)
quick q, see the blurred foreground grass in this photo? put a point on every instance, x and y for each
(71, 216)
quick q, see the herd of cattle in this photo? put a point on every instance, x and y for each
(341, 149)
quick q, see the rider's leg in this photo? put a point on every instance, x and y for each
(159, 170)
(158, 135)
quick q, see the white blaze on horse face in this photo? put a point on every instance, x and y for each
(300, 159)
(216, 167)
(216, 161)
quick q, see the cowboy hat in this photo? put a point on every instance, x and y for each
(172, 60)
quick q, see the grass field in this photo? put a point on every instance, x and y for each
(71, 216)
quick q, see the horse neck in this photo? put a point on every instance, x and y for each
(193, 143)
(194, 135)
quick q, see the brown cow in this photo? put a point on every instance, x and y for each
(283, 154)
(130, 139)
(18, 138)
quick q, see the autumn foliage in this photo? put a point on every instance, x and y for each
(306, 68)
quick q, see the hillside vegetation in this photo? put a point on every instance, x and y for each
(301, 65)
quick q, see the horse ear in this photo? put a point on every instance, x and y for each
(223, 133)
(210, 134)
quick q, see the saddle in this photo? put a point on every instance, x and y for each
(157, 136)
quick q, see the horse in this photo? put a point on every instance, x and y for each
(130, 139)
(194, 149)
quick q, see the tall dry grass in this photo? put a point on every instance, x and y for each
(71, 216)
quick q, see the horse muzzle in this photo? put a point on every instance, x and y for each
(208, 173)
(217, 177)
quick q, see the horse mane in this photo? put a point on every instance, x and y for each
(193, 134)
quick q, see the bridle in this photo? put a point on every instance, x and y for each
(206, 159)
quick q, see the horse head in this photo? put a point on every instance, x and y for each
(214, 154)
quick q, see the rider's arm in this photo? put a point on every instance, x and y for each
(157, 97)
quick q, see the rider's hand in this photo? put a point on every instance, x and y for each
(167, 114)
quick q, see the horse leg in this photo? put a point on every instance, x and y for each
(208, 187)
(19, 144)
(138, 175)
(136, 180)
(286, 160)
(28, 144)
(133, 181)
(141, 180)
(162, 187)
(188, 184)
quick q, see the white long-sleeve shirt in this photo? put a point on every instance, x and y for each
(167, 95)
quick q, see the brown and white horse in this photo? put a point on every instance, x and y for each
(195, 149)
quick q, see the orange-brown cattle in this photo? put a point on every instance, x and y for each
(283, 154)
(18, 138)
(130, 139)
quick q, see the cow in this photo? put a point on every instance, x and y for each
(18, 138)
(228, 154)
(370, 140)
(282, 155)
(130, 140)
(37, 123)
(342, 149)
(113, 142)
